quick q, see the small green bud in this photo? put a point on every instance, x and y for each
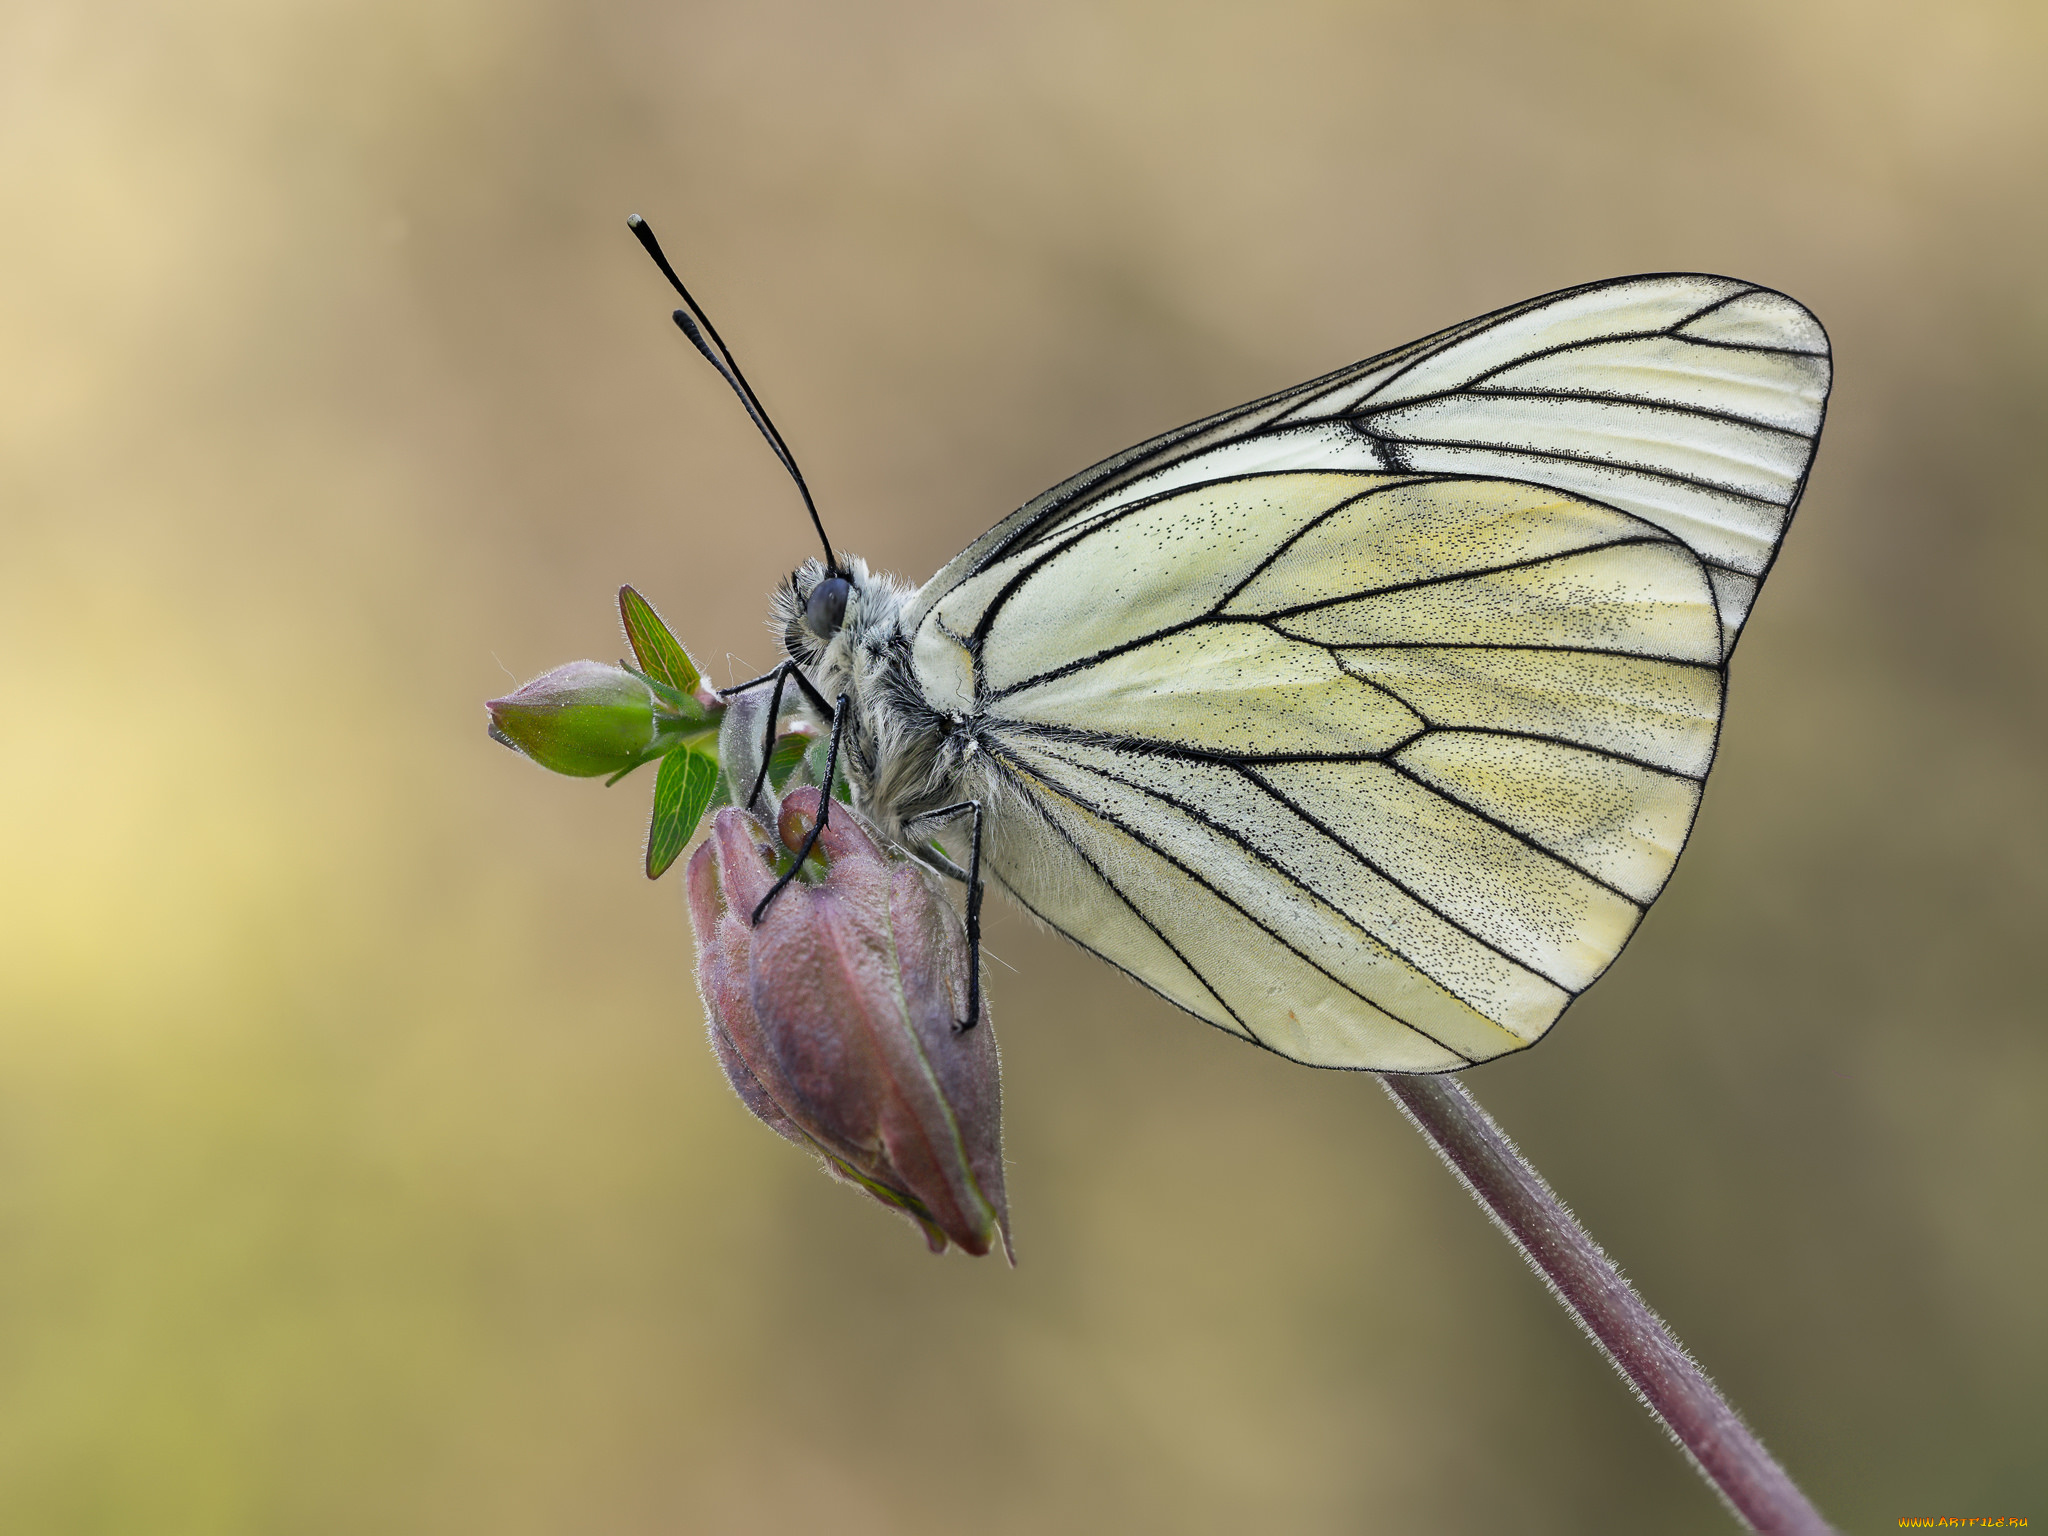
(583, 719)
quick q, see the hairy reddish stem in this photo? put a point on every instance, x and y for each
(1585, 1280)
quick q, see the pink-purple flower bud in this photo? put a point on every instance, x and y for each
(836, 1018)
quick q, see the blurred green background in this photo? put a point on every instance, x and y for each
(362, 1164)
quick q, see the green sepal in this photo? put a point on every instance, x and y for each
(679, 705)
(660, 653)
(784, 759)
(682, 792)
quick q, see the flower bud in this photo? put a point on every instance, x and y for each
(835, 1017)
(583, 719)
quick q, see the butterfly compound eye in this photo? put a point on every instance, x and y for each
(825, 608)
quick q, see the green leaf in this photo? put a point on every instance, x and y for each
(659, 652)
(682, 791)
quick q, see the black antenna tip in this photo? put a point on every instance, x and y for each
(644, 233)
(696, 325)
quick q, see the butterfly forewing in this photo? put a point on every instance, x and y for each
(1690, 402)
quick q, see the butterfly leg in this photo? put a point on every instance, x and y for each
(779, 676)
(824, 809)
(967, 807)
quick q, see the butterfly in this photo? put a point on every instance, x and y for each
(1366, 720)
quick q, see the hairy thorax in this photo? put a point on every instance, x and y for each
(902, 757)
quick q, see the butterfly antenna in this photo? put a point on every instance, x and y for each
(695, 324)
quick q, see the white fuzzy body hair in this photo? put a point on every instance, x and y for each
(901, 756)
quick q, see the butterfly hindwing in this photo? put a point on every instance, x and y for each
(1367, 720)
(1389, 766)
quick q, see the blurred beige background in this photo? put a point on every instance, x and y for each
(362, 1165)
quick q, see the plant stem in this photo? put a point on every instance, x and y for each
(1585, 1280)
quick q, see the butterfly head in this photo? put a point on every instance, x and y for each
(825, 607)
(818, 607)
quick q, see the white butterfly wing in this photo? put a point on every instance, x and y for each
(1347, 749)
(1691, 401)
